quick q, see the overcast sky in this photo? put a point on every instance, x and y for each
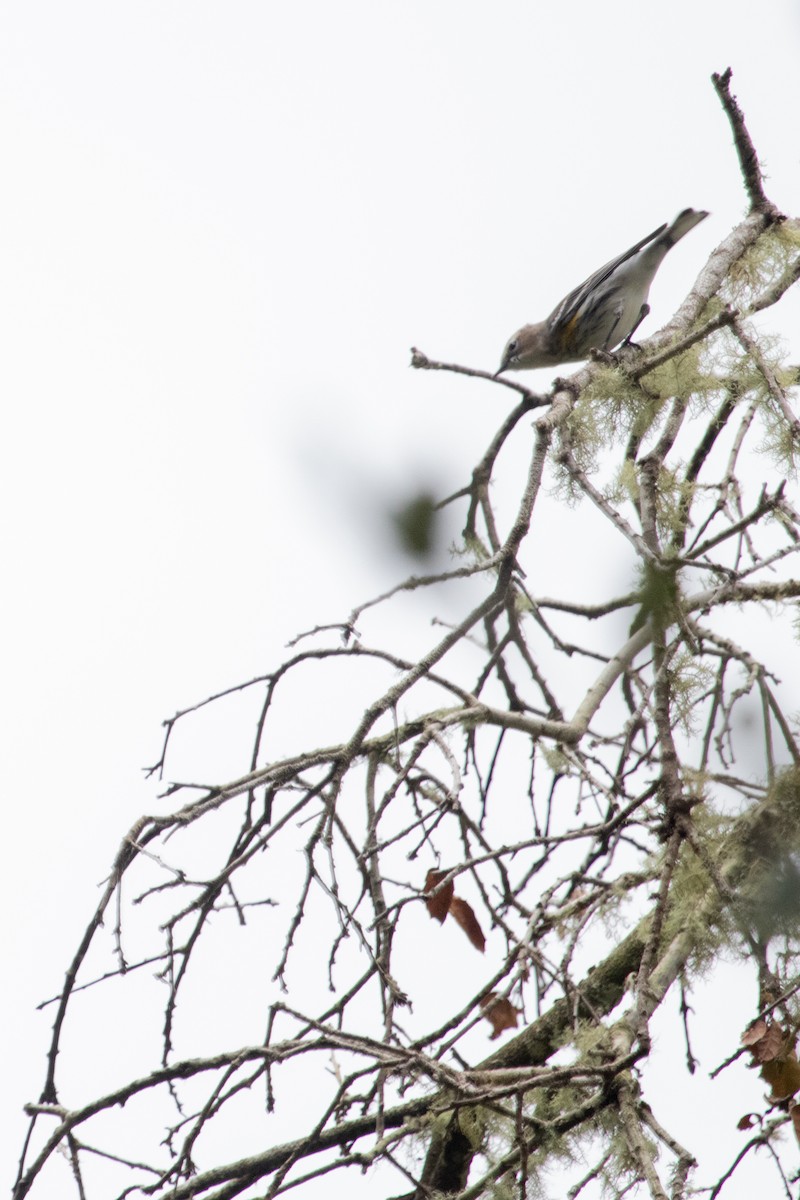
(222, 226)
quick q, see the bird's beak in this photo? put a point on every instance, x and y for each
(503, 367)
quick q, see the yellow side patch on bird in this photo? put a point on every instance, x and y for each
(566, 331)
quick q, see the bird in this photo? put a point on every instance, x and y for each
(603, 311)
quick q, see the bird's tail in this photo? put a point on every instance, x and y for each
(684, 221)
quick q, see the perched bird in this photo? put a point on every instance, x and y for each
(605, 310)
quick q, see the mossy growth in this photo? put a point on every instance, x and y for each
(761, 264)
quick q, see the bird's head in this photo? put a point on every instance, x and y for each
(528, 348)
(509, 360)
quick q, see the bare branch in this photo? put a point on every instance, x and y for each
(748, 159)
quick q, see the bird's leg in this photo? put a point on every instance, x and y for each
(643, 311)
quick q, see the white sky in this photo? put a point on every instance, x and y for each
(221, 229)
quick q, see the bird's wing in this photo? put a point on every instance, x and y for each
(570, 306)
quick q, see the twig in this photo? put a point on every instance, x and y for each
(748, 159)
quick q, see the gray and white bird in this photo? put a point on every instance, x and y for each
(606, 309)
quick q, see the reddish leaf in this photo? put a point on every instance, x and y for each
(462, 912)
(747, 1121)
(499, 1012)
(438, 906)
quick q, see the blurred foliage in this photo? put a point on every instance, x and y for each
(416, 525)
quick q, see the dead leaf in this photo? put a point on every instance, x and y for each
(754, 1032)
(772, 1045)
(499, 1012)
(747, 1121)
(772, 1048)
(766, 1041)
(438, 906)
(783, 1076)
(462, 912)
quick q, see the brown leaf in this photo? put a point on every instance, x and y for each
(754, 1032)
(774, 1044)
(766, 1041)
(462, 912)
(438, 906)
(783, 1076)
(499, 1012)
(772, 1048)
(747, 1121)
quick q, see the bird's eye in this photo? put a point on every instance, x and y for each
(512, 346)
